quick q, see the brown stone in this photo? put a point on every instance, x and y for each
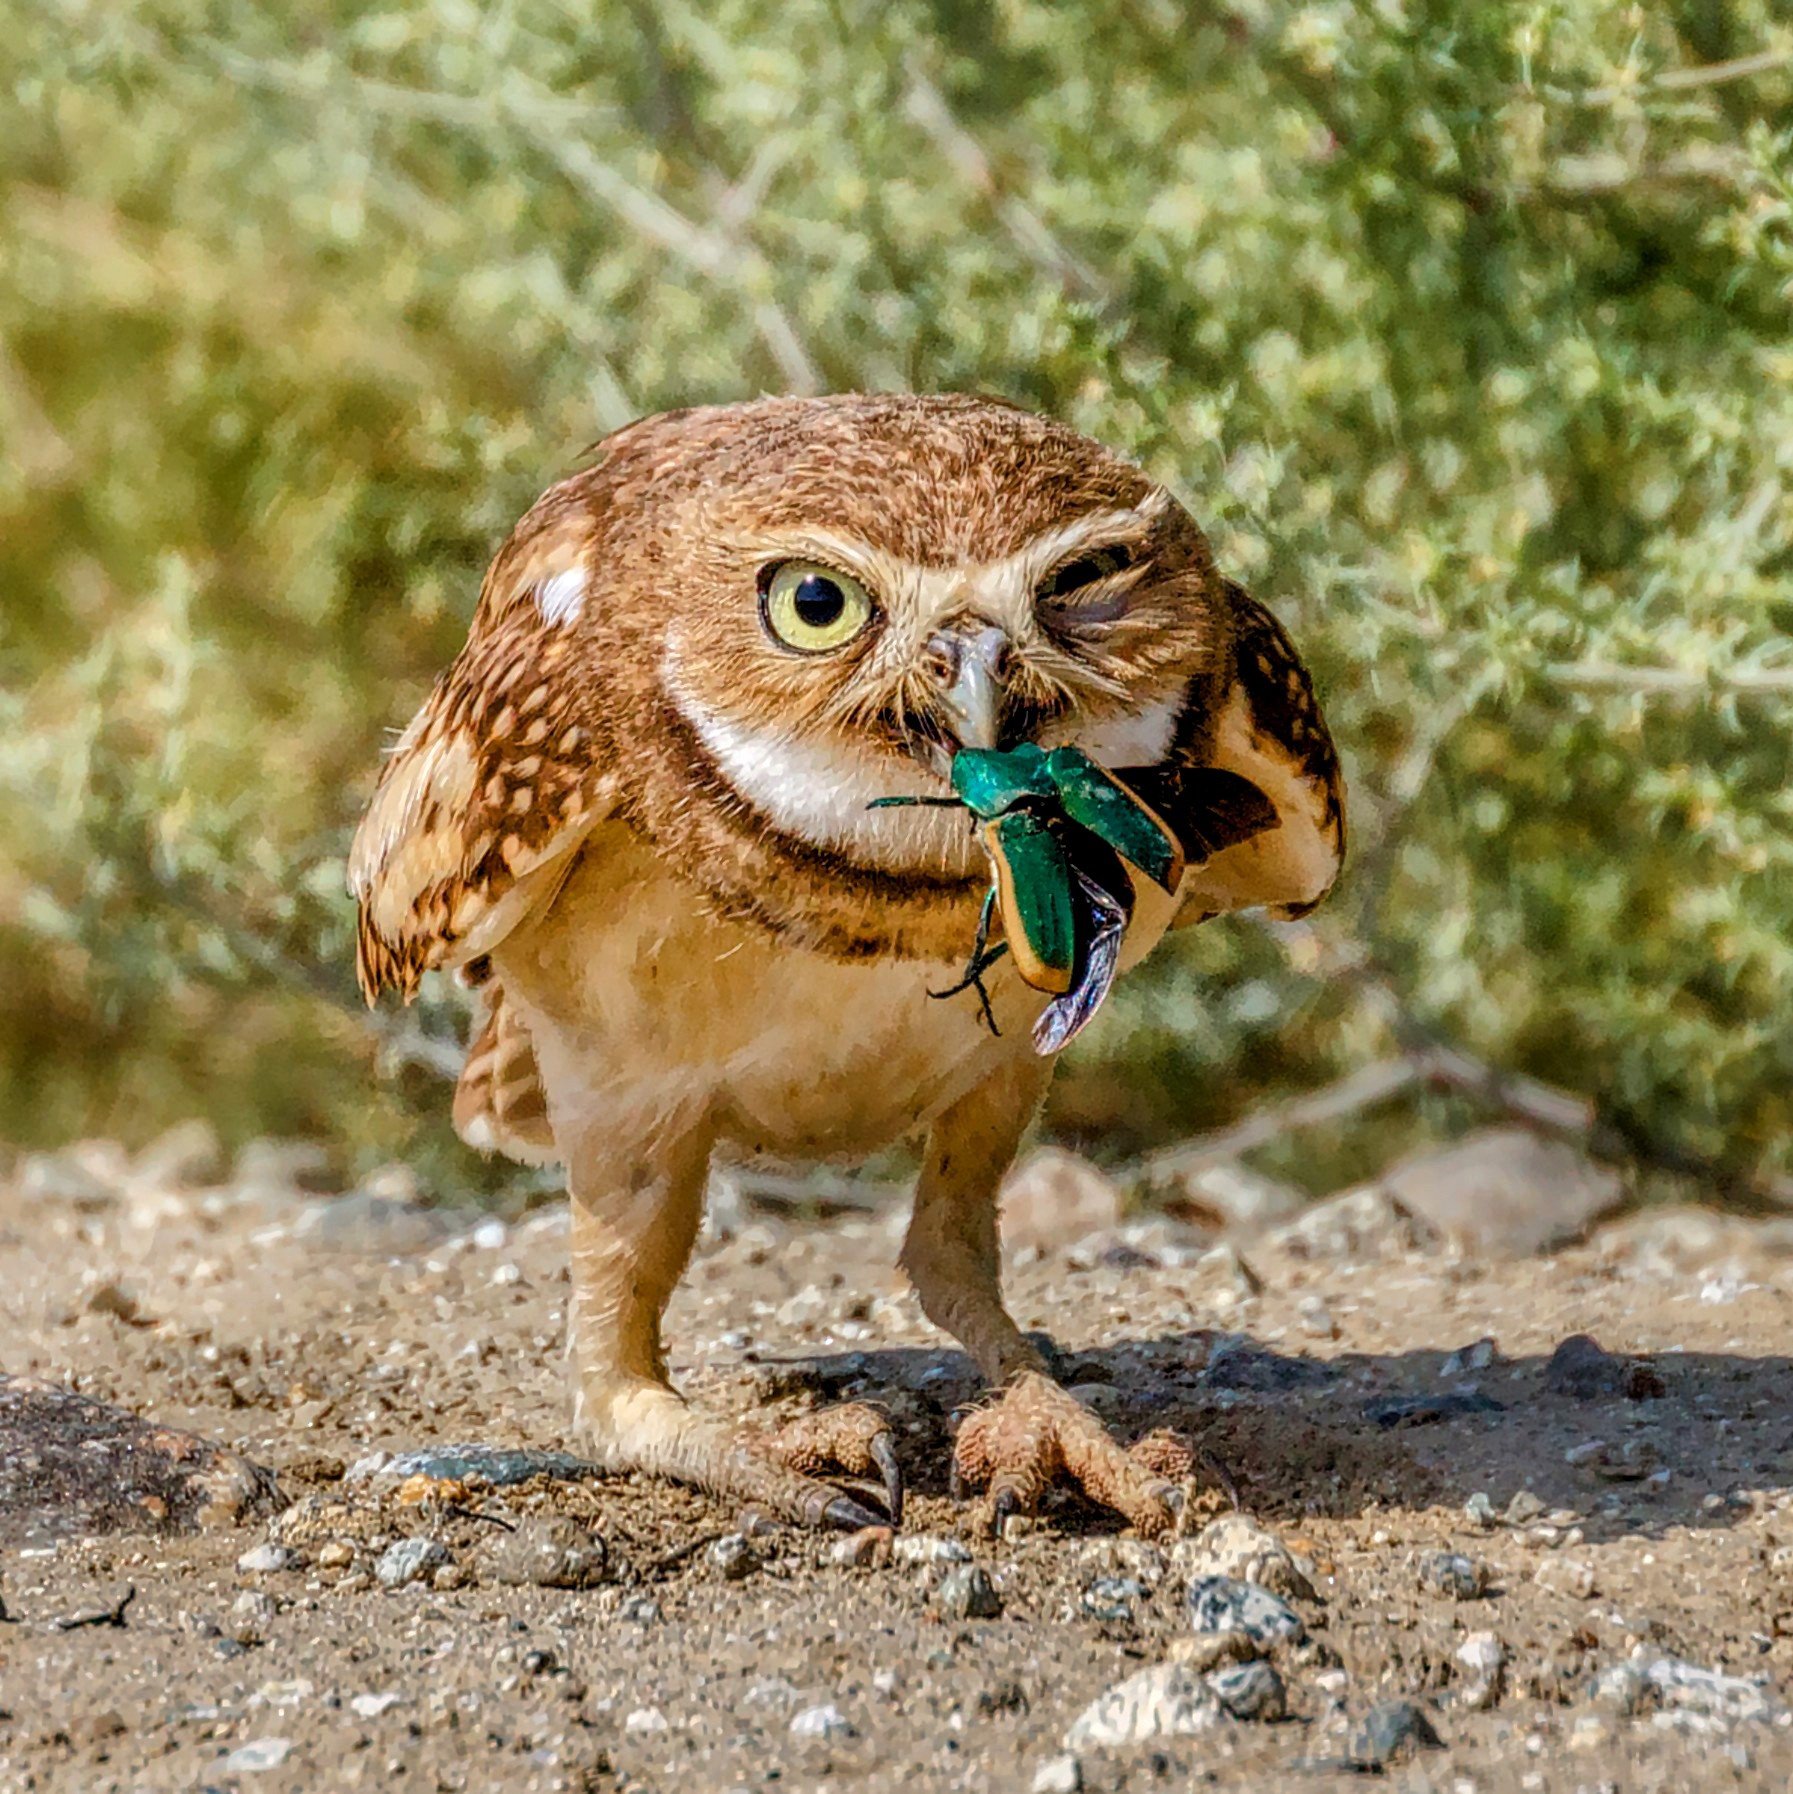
(71, 1467)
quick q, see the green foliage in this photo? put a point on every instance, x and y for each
(1463, 328)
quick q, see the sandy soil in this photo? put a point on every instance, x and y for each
(1649, 1528)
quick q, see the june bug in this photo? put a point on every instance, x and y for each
(1061, 833)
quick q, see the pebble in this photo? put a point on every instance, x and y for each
(1250, 1691)
(1236, 1547)
(1111, 1598)
(265, 1560)
(1223, 1604)
(867, 1549)
(1582, 1369)
(1567, 1576)
(1315, 1318)
(1478, 1510)
(967, 1593)
(407, 1560)
(1620, 1686)
(645, 1720)
(371, 1706)
(335, 1554)
(1469, 1360)
(499, 1466)
(1208, 1650)
(1451, 1573)
(1524, 1506)
(255, 1756)
(251, 1614)
(929, 1548)
(1591, 1731)
(1168, 1701)
(1708, 1691)
(1483, 1658)
(733, 1556)
(821, 1722)
(1062, 1774)
(1390, 1411)
(552, 1553)
(1387, 1732)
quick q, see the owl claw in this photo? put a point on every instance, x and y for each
(1037, 1434)
(854, 1438)
(846, 1513)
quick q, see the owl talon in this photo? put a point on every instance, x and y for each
(846, 1513)
(853, 1439)
(1036, 1434)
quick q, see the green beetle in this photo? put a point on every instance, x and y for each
(1061, 833)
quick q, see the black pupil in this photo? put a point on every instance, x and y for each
(818, 601)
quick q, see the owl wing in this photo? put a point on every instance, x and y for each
(488, 793)
(1254, 793)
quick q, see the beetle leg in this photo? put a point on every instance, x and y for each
(983, 956)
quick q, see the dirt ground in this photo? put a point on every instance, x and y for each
(1632, 1514)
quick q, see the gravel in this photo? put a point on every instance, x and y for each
(1223, 1604)
(408, 1560)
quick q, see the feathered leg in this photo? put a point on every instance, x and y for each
(1034, 1433)
(635, 1219)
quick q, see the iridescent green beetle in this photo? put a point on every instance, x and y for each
(1061, 833)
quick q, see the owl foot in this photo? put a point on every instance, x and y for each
(854, 1439)
(1036, 1434)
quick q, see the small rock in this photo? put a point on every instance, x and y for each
(408, 1559)
(967, 1593)
(1483, 1658)
(334, 1554)
(371, 1706)
(1062, 1774)
(1361, 1223)
(640, 1610)
(867, 1549)
(187, 1154)
(1469, 1360)
(1388, 1732)
(1504, 1191)
(1315, 1318)
(498, 1466)
(1590, 1731)
(645, 1721)
(929, 1548)
(820, 1722)
(1391, 1411)
(1621, 1687)
(251, 1614)
(257, 1755)
(1583, 1370)
(446, 1577)
(1708, 1691)
(1236, 1546)
(552, 1553)
(1251, 1370)
(1169, 1701)
(1054, 1198)
(1250, 1691)
(1567, 1576)
(1451, 1573)
(733, 1556)
(1523, 1508)
(1111, 1598)
(1223, 1604)
(265, 1560)
(1478, 1510)
(1208, 1650)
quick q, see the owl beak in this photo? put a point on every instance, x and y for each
(973, 666)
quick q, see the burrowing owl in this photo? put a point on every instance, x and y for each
(635, 813)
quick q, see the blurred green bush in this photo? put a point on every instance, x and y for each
(1464, 328)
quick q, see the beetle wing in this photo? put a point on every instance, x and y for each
(1104, 903)
(1033, 892)
(1094, 799)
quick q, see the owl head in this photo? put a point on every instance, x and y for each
(743, 623)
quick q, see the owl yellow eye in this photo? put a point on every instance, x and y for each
(812, 608)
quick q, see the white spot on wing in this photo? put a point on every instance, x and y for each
(561, 596)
